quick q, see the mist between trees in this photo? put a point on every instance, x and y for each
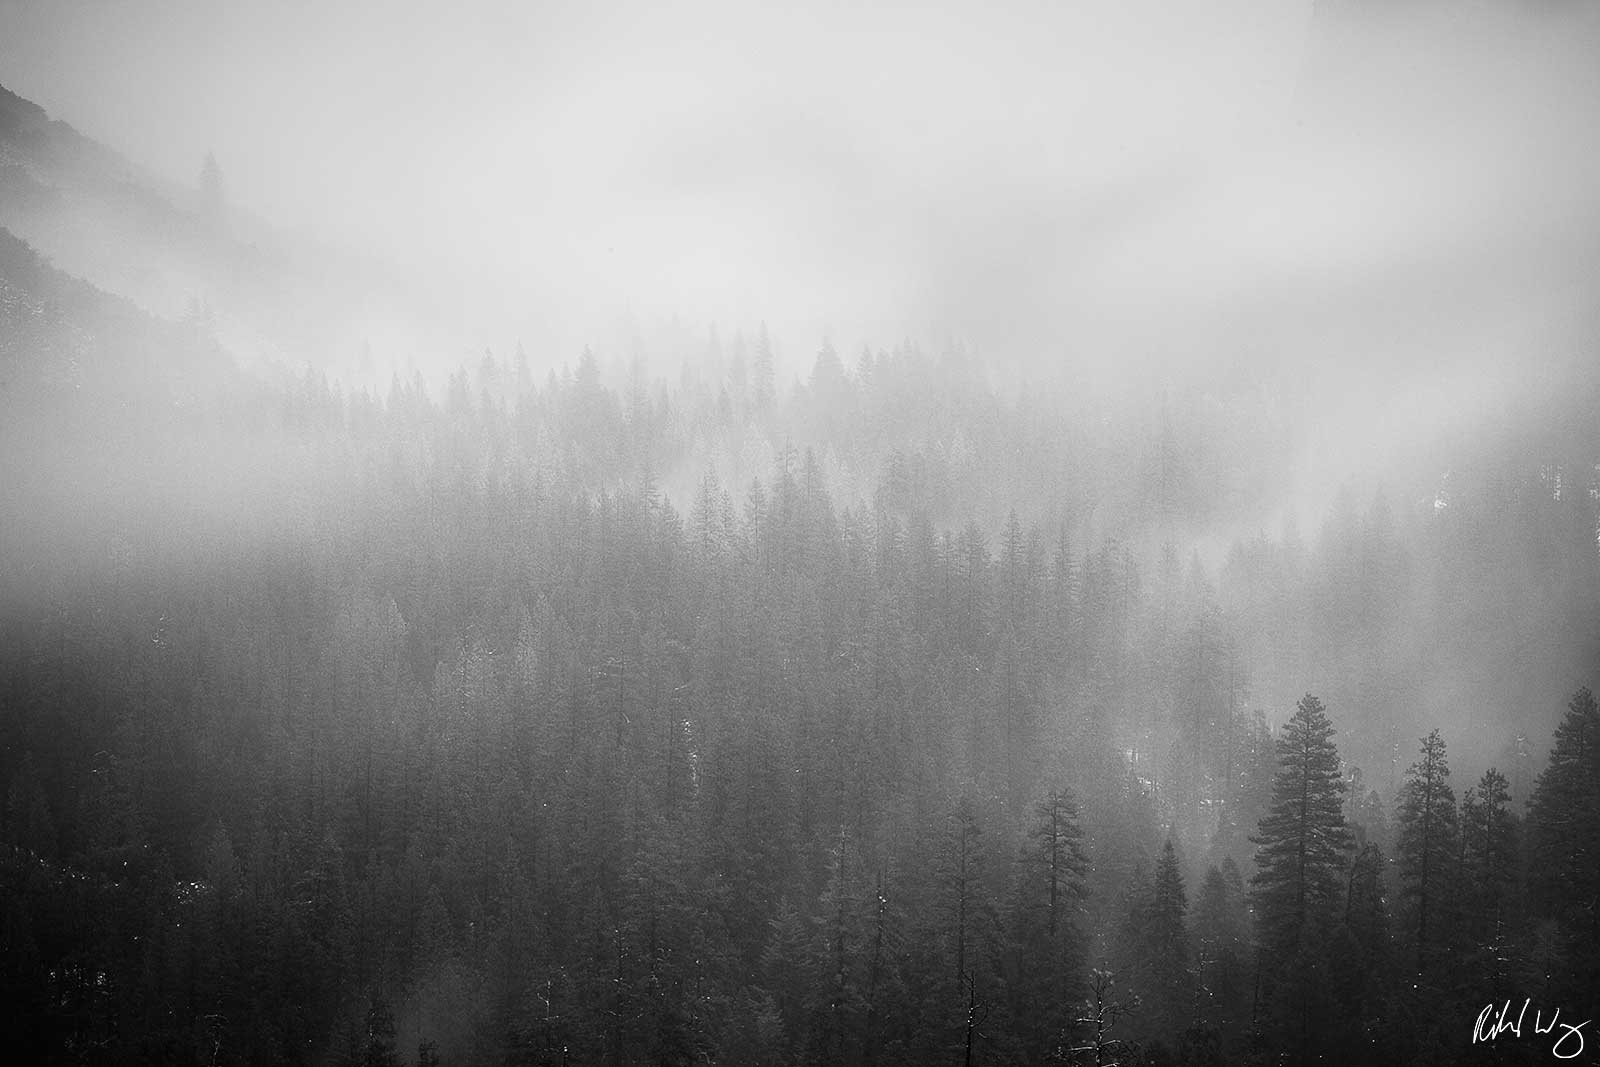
(356, 729)
(1192, 662)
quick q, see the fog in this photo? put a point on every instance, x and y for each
(823, 168)
(600, 513)
(1093, 193)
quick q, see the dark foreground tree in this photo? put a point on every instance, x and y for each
(1489, 847)
(1222, 945)
(1564, 820)
(1302, 842)
(1427, 850)
(1301, 849)
(1046, 942)
(1167, 986)
(1362, 961)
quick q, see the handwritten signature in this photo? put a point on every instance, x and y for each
(1491, 1025)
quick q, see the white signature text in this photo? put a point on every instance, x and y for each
(1493, 1023)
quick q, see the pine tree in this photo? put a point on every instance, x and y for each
(1168, 985)
(1361, 957)
(1564, 825)
(827, 374)
(1302, 841)
(963, 905)
(841, 938)
(1427, 845)
(1490, 850)
(788, 973)
(1565, 810)
(1221, 941)
(1046, 943)
(1301, 848)
(1054, 858)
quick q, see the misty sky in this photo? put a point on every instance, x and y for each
(1108, 192)
(827, 166)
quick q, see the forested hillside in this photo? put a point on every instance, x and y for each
(493, 727)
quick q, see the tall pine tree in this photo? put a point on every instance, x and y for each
(1427, 847)
(1301, 848)
(1489, 850)
(1302, 841)
(1169, 986)
(1564, 820)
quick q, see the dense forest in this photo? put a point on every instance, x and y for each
(1189, 656)
(876, 717)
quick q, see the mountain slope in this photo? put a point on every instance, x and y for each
(271, 295)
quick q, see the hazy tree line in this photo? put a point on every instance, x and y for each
(459, 742)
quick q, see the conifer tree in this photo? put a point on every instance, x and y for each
(1302, 841)
(1046, 942)
(1301, 848)
(1489, 848)
(1221, 942)
(841, 936)
(1361, 957)
(960, 876)
(1564, 820)
(1165, 941)
(1427, 845)
(1054, 858)
(1565, 810)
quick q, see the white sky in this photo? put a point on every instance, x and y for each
(1107, 192)
(824, 165)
